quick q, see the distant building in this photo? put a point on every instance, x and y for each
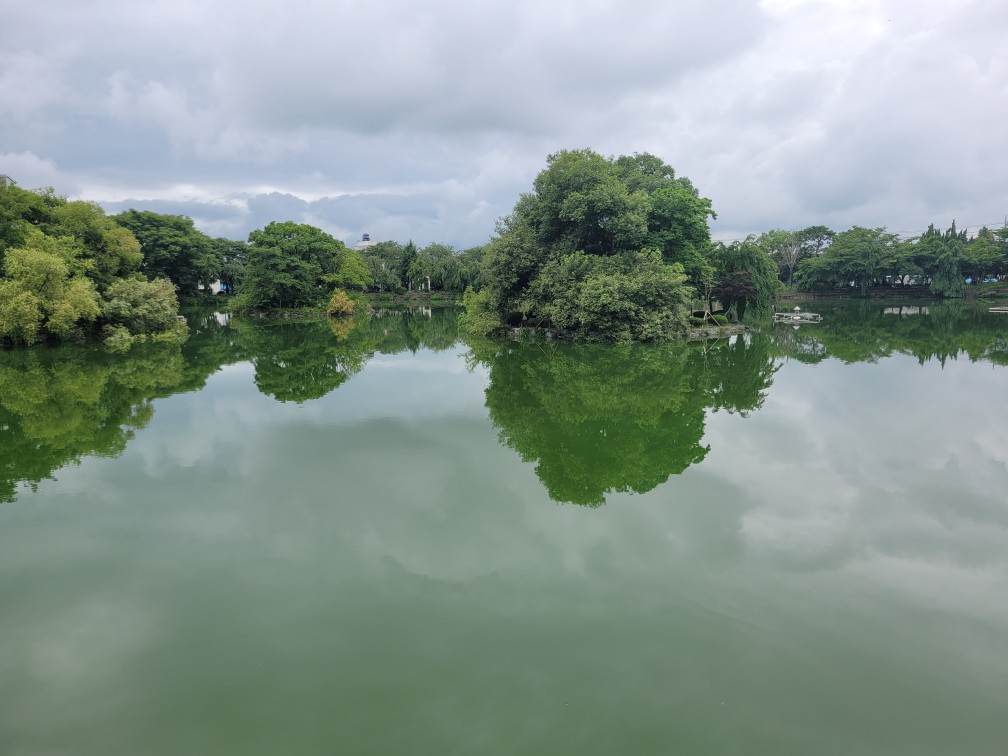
(365, 242)
(6, 180)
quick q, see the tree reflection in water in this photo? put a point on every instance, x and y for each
(61, 404)
(592, 419)
(867, 331)
(597, 419)
(58, 405)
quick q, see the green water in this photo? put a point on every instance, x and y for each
(297, 538)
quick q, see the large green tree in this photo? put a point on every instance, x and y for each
(231, 255)
(71, 272)
(602, 248)
(937, 255)
(352, 272)
(982, 257)
(287, 264)
(384, 261)
(815, 239)
(173, 248)
(21, 210)
(111, 250)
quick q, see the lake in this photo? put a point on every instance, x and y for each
(372, 538)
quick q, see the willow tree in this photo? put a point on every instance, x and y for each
(746, 276)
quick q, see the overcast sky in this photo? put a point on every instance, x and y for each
(426, 120)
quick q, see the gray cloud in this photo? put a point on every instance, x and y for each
(427, 120)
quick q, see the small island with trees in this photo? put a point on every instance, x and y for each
(613, 249)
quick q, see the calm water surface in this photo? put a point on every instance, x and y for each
(373, 538)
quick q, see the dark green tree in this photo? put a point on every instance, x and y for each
(859, 257)
(173, 248)
(409, 254)
(981, 257)
(815, 240)
(599, 249)
(231, 255)
(384, 261)
(286, 265)
(745, 274)
(20, 210)
(785, 248)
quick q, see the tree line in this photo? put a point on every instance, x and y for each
(942, 263)
(605, 249)
(602, 249)
(70, 272)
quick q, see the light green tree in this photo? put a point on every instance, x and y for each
(39, 295)
(352, 272)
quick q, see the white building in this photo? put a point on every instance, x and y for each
(365, 242)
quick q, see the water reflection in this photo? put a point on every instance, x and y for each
(60, 405)
(598, 419)
(867, 331)
(299, 361)
(592, 419)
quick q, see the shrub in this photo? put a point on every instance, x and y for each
(141, 307)
(340, 305)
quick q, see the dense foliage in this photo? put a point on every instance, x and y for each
(70, 272)
(747, 276)
(605, 249)
(859, 259)
(396, 267)
(291, 265)
(173, 248)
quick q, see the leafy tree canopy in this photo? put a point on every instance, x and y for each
(288, 265)
(173, 248)
(71, 272)
(44, 292)
(602, 247)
